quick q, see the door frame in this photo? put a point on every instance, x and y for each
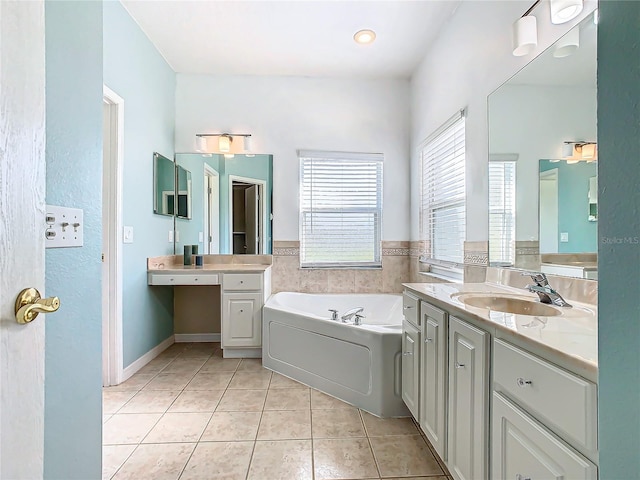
(212, 210)
(112, 361)
(262, 187)
(549, 177)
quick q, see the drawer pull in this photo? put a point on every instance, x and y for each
(241, 310)
(241, 282)
(407, 307)
(523, 383)
(428, 340)
(407, 353)
(459, 365)
(521, 477)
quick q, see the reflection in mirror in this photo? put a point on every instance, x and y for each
(550, 101)
(164, 176)
(183, 189)
(231, 206)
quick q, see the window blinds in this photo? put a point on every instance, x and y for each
(442, 216)
(340, 209)
(502, 212)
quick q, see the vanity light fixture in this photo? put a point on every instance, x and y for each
(563, 11)
(525, 33)
(568, 44)
(225, 143)
(364, 37)
(574, 152)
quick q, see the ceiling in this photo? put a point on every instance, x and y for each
(302, 38)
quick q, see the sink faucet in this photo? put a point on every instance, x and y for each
(542, 288)
(352, 313)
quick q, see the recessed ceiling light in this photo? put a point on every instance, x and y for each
(364, 37)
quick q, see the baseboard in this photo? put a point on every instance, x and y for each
(197, 337)
(242, 352)
(146, 358)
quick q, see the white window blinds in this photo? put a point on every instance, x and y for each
(502, 212)
(442, 215)
(340, 209)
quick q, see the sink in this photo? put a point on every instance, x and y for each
(507, 303)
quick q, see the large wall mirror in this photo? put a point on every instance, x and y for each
(164, 186)
(230, 209)
(543, 201)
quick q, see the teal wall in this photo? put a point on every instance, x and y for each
(619, 236)
(573, 205)
(135, 70)
(259, 167)
(73, 344)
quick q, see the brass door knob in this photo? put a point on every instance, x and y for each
(29, 304)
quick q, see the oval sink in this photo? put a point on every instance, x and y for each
(506, 304)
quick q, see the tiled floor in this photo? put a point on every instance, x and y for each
(191, 414)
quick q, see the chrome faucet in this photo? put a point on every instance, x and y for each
(544, 291)
(357, 319)
(354, 312)
(334, 314)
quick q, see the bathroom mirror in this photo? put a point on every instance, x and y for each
(183, 192)
(536, 218)
(231, 208)
(164, 177)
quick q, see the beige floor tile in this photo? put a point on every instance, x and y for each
(343, 458)
(150, 401)
(197, 401)
(112, 401)
(217, 364)
(128, 428)
(204, 350)
(288, 399)
(113, 456)
(439, 477)
(251, 380)
(157, 462)
(178, 427)
(210, 381)
(284, 459)
(404, 455)
(232, 426)
(280, 381)
(253, 364)
(322, 401)
(155, 366)
(135, 383)
(184, 365)
(106, 417)
(377, 427)
(337, 423)
(220, 460)
(285, 425)
(242, 400)
(168, 381)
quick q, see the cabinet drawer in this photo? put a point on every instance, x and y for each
(242, 281)
(410, 309)
(184, 279)
(523, 449)
(563, 401)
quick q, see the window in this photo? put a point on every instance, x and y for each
(502, 212)
(442, 214)
(340, 209)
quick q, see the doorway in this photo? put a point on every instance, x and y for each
(246, 213)
(211, 238)
(548, 201)
(112, 165)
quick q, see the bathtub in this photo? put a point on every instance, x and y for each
(359, 364)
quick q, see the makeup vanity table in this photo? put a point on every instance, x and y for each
(239, 286)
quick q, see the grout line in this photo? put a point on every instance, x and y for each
(373, 454)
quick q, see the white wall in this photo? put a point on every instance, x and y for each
(533, 121)
(470, 58)
(285, 114)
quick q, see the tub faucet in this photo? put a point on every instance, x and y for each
(357, 319)
(351, 313)
(334, 314)
(544, 291)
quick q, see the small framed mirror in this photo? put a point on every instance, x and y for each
(164, 185)
(183, 191)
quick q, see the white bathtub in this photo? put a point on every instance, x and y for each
(360, 365)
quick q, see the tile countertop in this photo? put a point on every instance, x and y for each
(570, 339)
(209, 267)
(212, 263)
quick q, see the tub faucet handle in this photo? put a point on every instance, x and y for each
(357, 319)
(334, 314)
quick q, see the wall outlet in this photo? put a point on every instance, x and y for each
(564, 237)
(127, 234)
(63, 227)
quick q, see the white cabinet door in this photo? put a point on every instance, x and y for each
(523, 449)
(433, 382)
(241, 320)
(468, 401)
(411, 367)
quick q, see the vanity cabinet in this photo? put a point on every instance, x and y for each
(242, 301)
(433, 376)
(411, 354)
(468, 401)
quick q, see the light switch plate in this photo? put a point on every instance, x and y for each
(200, 237)
(127, 234)
(170, 236)
(64, 227)
(564, 237)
